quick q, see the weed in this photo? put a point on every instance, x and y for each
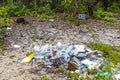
(109, 19)
(34, 38)
(15, 41)
(28, 53)
(104, 15)
(2, 31)
(2, 44)
(53, 25)
(2, 53)
(21, 35)
(3, 47)
(111, 53)
(44, 17)
(53, 39)
(41, 37)
(73, 75)
(92, 71)
(94, 36)
(61, 69)
(12, 56)
(44, 77)
(47, 39)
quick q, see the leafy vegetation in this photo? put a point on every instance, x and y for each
(111, 53)
(104, 15)
(44, 77)
(61, 69)
(2, 45)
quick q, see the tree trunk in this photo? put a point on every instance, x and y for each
(105, 5)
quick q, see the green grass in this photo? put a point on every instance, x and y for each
(61, 69)
(29, 53)
(111, 53)
(44, 77)
(34, 38)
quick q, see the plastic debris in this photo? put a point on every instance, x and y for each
(51, 20)
(28, 59)
(89, 64)
(16, 46)
(8, 28)
(72, 57)
(79, 48)
(102, 74)
(117, 76)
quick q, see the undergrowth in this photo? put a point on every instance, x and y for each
(105, 15)
(111, 53)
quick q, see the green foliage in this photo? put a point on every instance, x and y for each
(53, 39)
(2, 53)
(115, 7)
(44, 17)
(34, 38)
(107, 68)
(13, 10)
(104, 15)
(109, 19)
(44, 77)
(29, 53)
(73, 74)
(111, 53)
(61, 69)
(5, 22)
(12, 56)
(41, 37)
(82, 6)
(4, 12)
(92, 71)
(66, 4)
(2, 44)
(2, 31)
(44, 10)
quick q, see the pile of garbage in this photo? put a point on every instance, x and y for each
(72, 57)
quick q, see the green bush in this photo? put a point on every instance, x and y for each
(5, 22)
(114, 8)
(104, 15)
(109, 19)
(4, 12)
(44, 10)
(44, 17)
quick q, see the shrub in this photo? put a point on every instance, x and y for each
(104, 15)
(5, 22)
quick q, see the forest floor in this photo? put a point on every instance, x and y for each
(50, 32)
